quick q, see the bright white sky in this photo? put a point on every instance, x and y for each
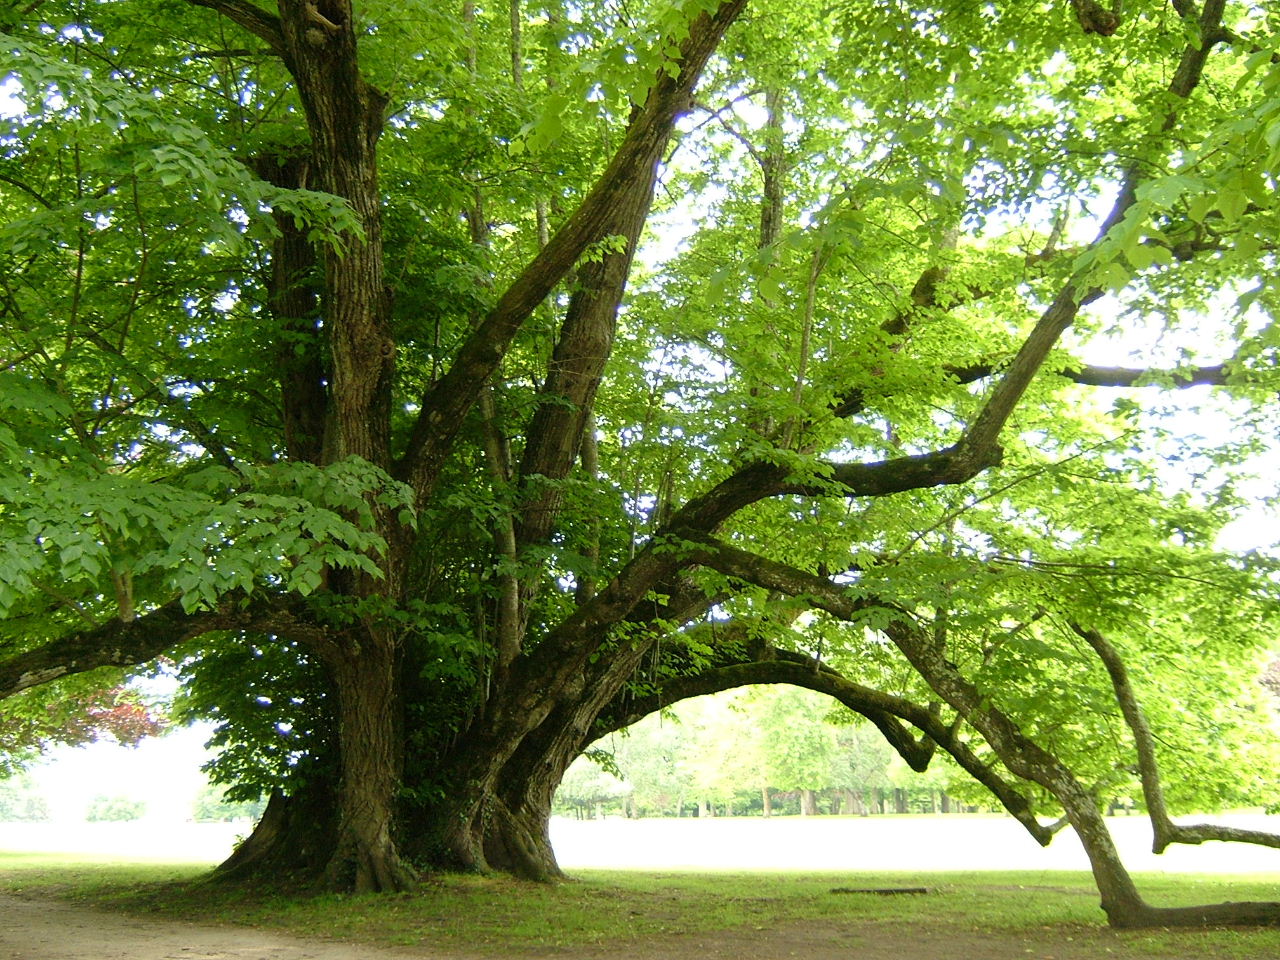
(162, 771)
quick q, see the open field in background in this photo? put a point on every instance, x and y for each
(954, 842)
(920, 842)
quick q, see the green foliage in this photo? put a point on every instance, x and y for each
(206, 534)
(941, 166)
(105, 809)
(21, 802)
(213, 805)
(271, 707)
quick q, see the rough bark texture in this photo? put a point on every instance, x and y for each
(293, 839)
(365, 857)
(293, 297)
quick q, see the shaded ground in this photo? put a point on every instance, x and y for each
(43, 929)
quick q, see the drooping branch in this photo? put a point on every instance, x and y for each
(885, 711)
(1020, 754)
(1026, 758)
(446, 402)
(1165, 831)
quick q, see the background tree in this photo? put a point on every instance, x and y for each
(73, 713)
(213, 805)
(103, 808)
(19, 801)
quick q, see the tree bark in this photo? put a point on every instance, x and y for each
(293, 839)
(1164, 830)
(365, 857)
(293, 297)
(808, 803)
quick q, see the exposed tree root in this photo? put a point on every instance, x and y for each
(1242, 914)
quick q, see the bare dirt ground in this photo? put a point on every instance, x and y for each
(41, 929)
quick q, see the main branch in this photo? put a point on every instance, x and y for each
(446, 402)
(250, 16)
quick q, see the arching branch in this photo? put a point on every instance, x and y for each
(1021, 755)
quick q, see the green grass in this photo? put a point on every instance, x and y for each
(496, 916)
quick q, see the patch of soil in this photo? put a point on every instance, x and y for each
(39, 929)
(860, 940)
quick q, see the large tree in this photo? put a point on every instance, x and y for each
(320, 367)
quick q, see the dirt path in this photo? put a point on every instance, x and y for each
(39, 929)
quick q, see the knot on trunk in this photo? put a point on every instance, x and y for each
(1095, 18)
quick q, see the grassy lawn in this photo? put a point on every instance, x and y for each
(496, 915)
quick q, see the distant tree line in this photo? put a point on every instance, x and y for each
(21, 801)
(762, 752)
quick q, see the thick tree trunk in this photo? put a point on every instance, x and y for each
(499, 821)
(365, 856)
(808, 803)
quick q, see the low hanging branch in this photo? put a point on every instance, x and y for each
(121, 643)
(885, 711)
(1164, 829)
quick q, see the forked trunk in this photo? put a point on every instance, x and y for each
(482, 829)
(517, 839)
